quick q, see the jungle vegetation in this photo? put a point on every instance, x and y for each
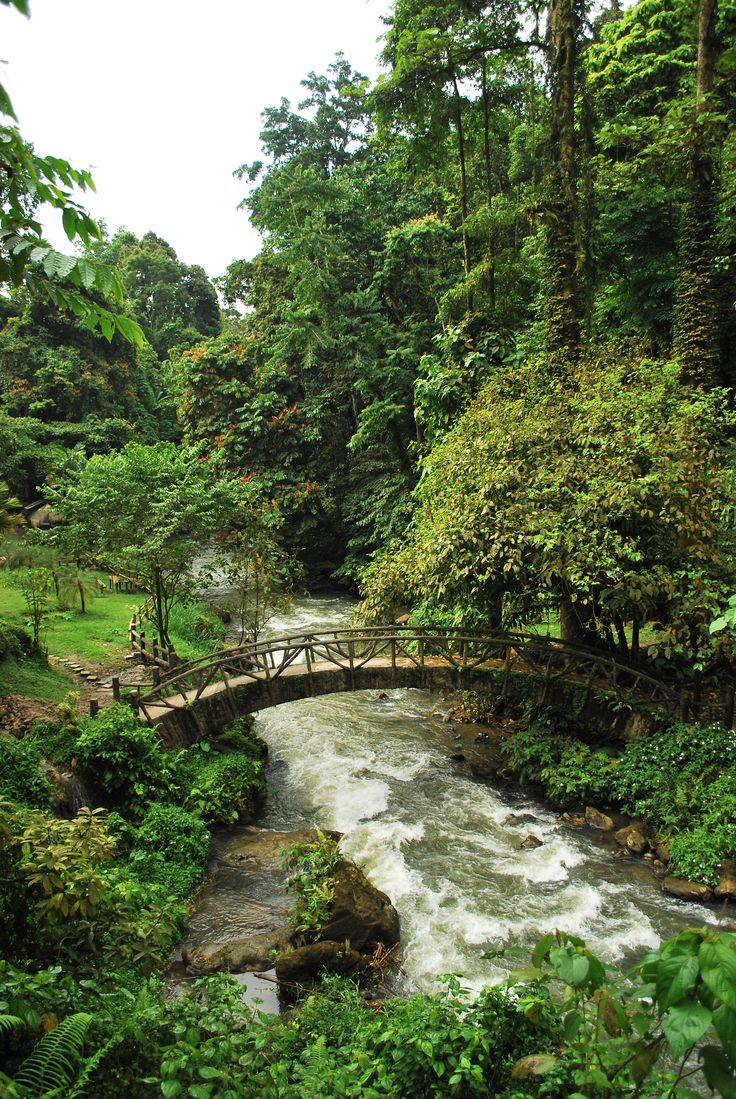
(482, 367)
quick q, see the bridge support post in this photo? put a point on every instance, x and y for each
(308, 662)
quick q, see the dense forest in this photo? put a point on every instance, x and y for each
(481, 371)
(525, 222)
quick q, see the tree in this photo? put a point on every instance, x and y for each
(259, 572)
(176, 305)
(10, 515)
(29, 182)
(145, 512)
(607, 492)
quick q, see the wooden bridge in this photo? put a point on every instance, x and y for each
(201, 696)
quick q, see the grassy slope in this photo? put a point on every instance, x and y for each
(98, 639)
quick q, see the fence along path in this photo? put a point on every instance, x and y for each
(282, 669)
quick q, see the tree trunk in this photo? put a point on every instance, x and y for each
(571, 627)
(158, 609)
(696, 300)
(463, 168)
(562, 215)
(491, 276)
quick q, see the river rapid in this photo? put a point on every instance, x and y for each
(443, 845)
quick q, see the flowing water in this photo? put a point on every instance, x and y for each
(443, 845)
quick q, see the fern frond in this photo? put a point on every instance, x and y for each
(54, 1061)
(9, 1022)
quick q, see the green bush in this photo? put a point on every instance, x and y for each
(170, 849)
(312, 879)
(21, 778)
(569, 771)
(222, 786)
(196, 623)
(581, 776)
(14, 641)
(241, 736)
(174, 834)
(125, 760)
(661, 776)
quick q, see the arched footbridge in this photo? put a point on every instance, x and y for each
(205, 694)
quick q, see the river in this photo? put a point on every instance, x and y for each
(443, 845)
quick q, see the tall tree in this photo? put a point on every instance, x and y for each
(562, 214)
(696, 305)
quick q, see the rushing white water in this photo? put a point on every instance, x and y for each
(444, 846)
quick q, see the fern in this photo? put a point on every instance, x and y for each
(316, 1069)
(53, 1064)
(9, 1022)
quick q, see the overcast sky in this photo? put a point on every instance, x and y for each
(161, 99)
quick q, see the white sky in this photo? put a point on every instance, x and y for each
(161, 99)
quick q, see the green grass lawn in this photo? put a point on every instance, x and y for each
(98, 638)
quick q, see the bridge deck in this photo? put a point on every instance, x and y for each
(155, 712)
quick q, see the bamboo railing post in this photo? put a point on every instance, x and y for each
(115, 688)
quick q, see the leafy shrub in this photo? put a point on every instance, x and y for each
(580, 776)
(569, 770)
(21, 778)
(313, 881)
(57, 739)
(697, 853)
(241, 736)
(223, 786)
(170, 849)
(661, 776)
(14, 641)
(125, 760)
(196, 622)
(175, 834)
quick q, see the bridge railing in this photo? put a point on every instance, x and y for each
(351, 649)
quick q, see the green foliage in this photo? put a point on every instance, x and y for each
(144, 512)
(664, 777)
(60, 860)
(14, 641)
(21, 779)
(590, 491)
(125, 760)
(55, 1061)
(241, 736)
(222, 786)
(35, 583)
(312, 878)
(197, 624)
(170, 849)
(569, 771)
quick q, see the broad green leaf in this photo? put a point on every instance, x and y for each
(676, 976)
(541, 949)
(724, 1020)
(717, 1072)
(69, 221)
(129, 330)
(539, 1064)
(718, 971)
(684, 1024)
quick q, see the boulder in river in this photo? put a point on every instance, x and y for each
(633, 837)
(236, 956)
(687, 890)
(594, 818)
(531, 843)
(300, 969)
(726, 887)
(360, 913)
